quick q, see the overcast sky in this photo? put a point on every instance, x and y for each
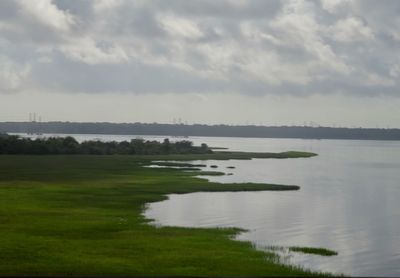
(332, 62)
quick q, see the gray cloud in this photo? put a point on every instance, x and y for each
(248, 47)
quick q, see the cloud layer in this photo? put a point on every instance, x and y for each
(178, 46)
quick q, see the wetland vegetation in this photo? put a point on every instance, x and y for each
(175, 164)
(82, 215)
(315, 251)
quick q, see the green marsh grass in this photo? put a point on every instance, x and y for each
(210, 173)
(82, 216)
(314, 251)
(176, 164)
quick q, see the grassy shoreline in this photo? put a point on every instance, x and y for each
(82, 216)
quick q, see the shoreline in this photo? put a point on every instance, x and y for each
(91, 207)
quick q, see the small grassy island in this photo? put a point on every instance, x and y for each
(81, 215)
(314, 251)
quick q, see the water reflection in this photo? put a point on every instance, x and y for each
(348, 202)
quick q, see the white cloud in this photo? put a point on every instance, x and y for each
(101, 6)
(298, 27)
(250, 47)
(377, 80)
(45, 12)
(12, 75)
(269, 67)
(89, 51)
(180, 27)
(333, 6)
(395, 71)
(350, 29)
(252, 31)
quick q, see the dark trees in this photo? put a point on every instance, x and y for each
(68, 145)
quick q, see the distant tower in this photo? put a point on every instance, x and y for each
(39, 126)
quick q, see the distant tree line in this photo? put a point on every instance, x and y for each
(202, 130)
(11, 144)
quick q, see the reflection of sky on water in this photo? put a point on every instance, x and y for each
(348, 202)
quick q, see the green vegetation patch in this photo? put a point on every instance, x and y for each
(210, 173)
(315, 251)
(189, 169)
(176, 164)
(82, 216)
(225, 155)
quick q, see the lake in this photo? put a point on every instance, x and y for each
(349, 201)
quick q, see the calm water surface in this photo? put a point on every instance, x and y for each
(349, 201)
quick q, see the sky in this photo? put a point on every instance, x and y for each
(328, 62)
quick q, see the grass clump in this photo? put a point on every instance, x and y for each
(314, 251)
(210, 173)
(189, 169)
(176, 164)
